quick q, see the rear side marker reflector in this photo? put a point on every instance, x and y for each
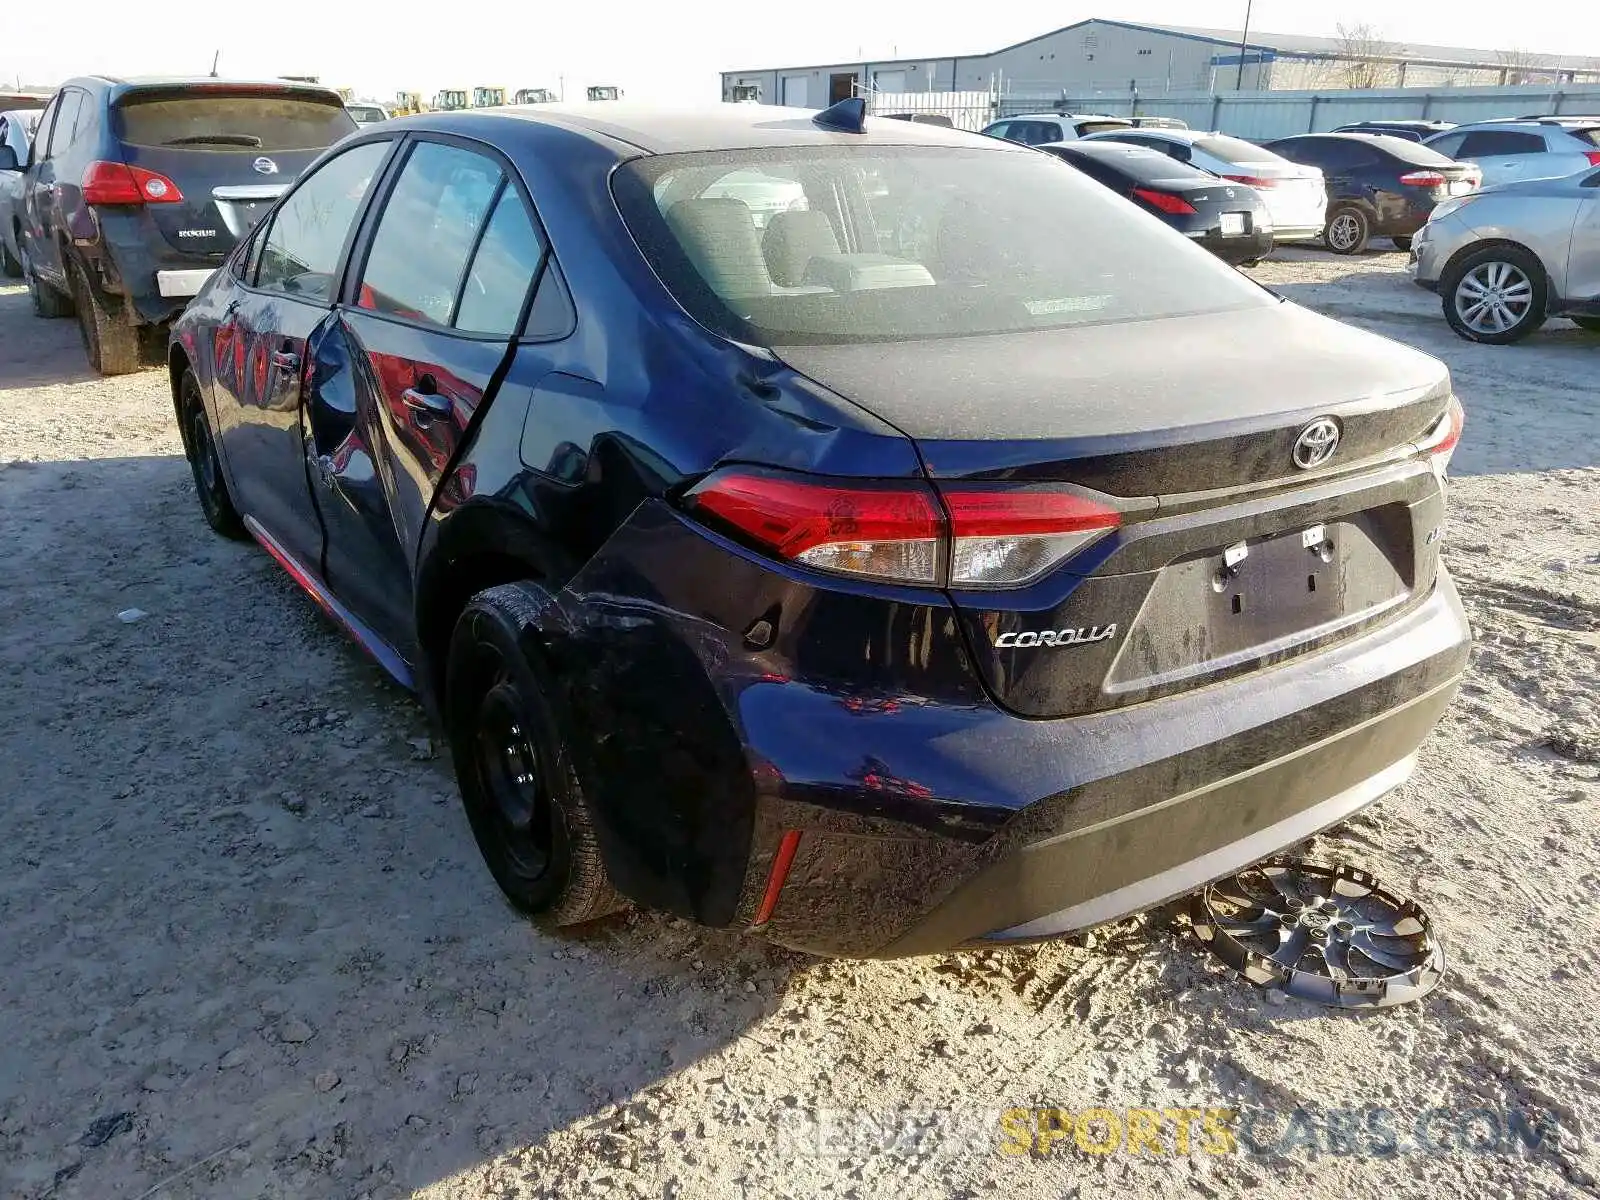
(963, 536)
(781, 862)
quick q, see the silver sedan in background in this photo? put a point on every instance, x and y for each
(1505, 259)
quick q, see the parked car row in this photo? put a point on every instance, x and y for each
(132, 191)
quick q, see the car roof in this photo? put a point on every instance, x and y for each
(1059, 116)
(657, 129)
(1167, 135)
(1531, 124)
(118, 85)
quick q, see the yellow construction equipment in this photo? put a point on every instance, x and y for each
(488, 97)
(450, 100)
(535, 96)
(406, 103)
(605, 92)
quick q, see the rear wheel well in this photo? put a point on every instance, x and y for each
(177, 364)
(456, 581)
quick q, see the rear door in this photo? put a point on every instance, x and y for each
(1505, 155)
(260, 346)
(1583, 260)
(230, 151)
(43, 199)
(423, 334)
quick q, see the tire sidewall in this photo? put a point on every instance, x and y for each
(216, 505)
(1525, 262)
(486, 639)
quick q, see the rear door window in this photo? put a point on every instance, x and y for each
(264, 121)
(1449, 145)
(301, 249)
(502, 270)
(66, 120)
(1499, 143)
(431, 225)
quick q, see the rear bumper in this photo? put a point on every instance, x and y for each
(1244, 248)
(182, 283)
(1134, 806)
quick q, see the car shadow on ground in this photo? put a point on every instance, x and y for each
(247, 944)
(35, 358)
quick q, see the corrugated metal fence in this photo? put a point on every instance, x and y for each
(1264, 115)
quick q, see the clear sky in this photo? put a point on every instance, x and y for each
(662, 50)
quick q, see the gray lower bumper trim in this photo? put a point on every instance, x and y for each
(1224, 860)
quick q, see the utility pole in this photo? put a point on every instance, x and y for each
(215, 59)
(1244, 40)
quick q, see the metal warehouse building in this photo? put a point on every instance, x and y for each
(1120, 56)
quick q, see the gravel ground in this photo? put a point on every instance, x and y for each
(247, 948)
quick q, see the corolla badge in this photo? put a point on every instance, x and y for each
(1316, 443)
(1055, 637)
(265, 166)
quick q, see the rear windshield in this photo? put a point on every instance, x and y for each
(832, 245)
(1233, 149)
(1592, 136)
(261, 121)
(1415, 153)
(1140, 165)
(1085, 128)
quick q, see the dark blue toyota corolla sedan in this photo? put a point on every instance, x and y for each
(859, 532)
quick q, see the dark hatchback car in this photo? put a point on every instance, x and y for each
(1228, 219)
(136, 189)
(958, 555)
(1378, 186)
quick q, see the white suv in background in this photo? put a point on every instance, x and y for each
(1296, 196)
(1525, 148)
(1041, 129)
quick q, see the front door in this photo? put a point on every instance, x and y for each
(261, 347)
(424, 330)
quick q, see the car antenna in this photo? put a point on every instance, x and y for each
(215, 59)
(847, 116)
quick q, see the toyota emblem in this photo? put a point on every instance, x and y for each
(1316, 443)
(265, 166)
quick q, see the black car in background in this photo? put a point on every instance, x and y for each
(1411, 131)
(1378, 186)
(135, 190)
(1228, 219)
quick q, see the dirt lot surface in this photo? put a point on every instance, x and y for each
(247, 947)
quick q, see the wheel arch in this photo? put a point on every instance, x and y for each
(1467, 251)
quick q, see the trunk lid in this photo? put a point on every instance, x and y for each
(1230, 556)
(230, 150)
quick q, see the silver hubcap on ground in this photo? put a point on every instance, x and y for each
(1493, 297)
(1344, 231)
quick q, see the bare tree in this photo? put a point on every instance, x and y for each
(1365, 58)
(1524, 66)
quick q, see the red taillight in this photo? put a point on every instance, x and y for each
(118, 183)
(888, 532)
(1441, 441)
(1166, 202)
(984, 537)
(1254, 181)
(1428, 179)
(1593, 156)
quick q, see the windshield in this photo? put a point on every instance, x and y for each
(208, 120)
(832, 245)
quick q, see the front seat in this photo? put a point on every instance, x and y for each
(792, 240)
(719, 236)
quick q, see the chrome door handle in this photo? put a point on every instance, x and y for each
(427, 404)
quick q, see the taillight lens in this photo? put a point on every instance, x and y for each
(1254, 181)
(1166, 202)
(118, 183)
(1593, 156)
(981, 537)
(888, 532)
(1440, 442)
(1007, 537)
(1428, 179)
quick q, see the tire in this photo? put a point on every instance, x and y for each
(111, 344)
(1347, 230)
(1592, 324)
(47, 302)
(10, 264)
(1509, 272)
(200, 448)
(1401, 243)
(518, 786)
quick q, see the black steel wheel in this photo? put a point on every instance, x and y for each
(518, 785)
(200, 447)
(1330, 934)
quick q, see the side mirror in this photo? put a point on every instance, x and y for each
(8, 159)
